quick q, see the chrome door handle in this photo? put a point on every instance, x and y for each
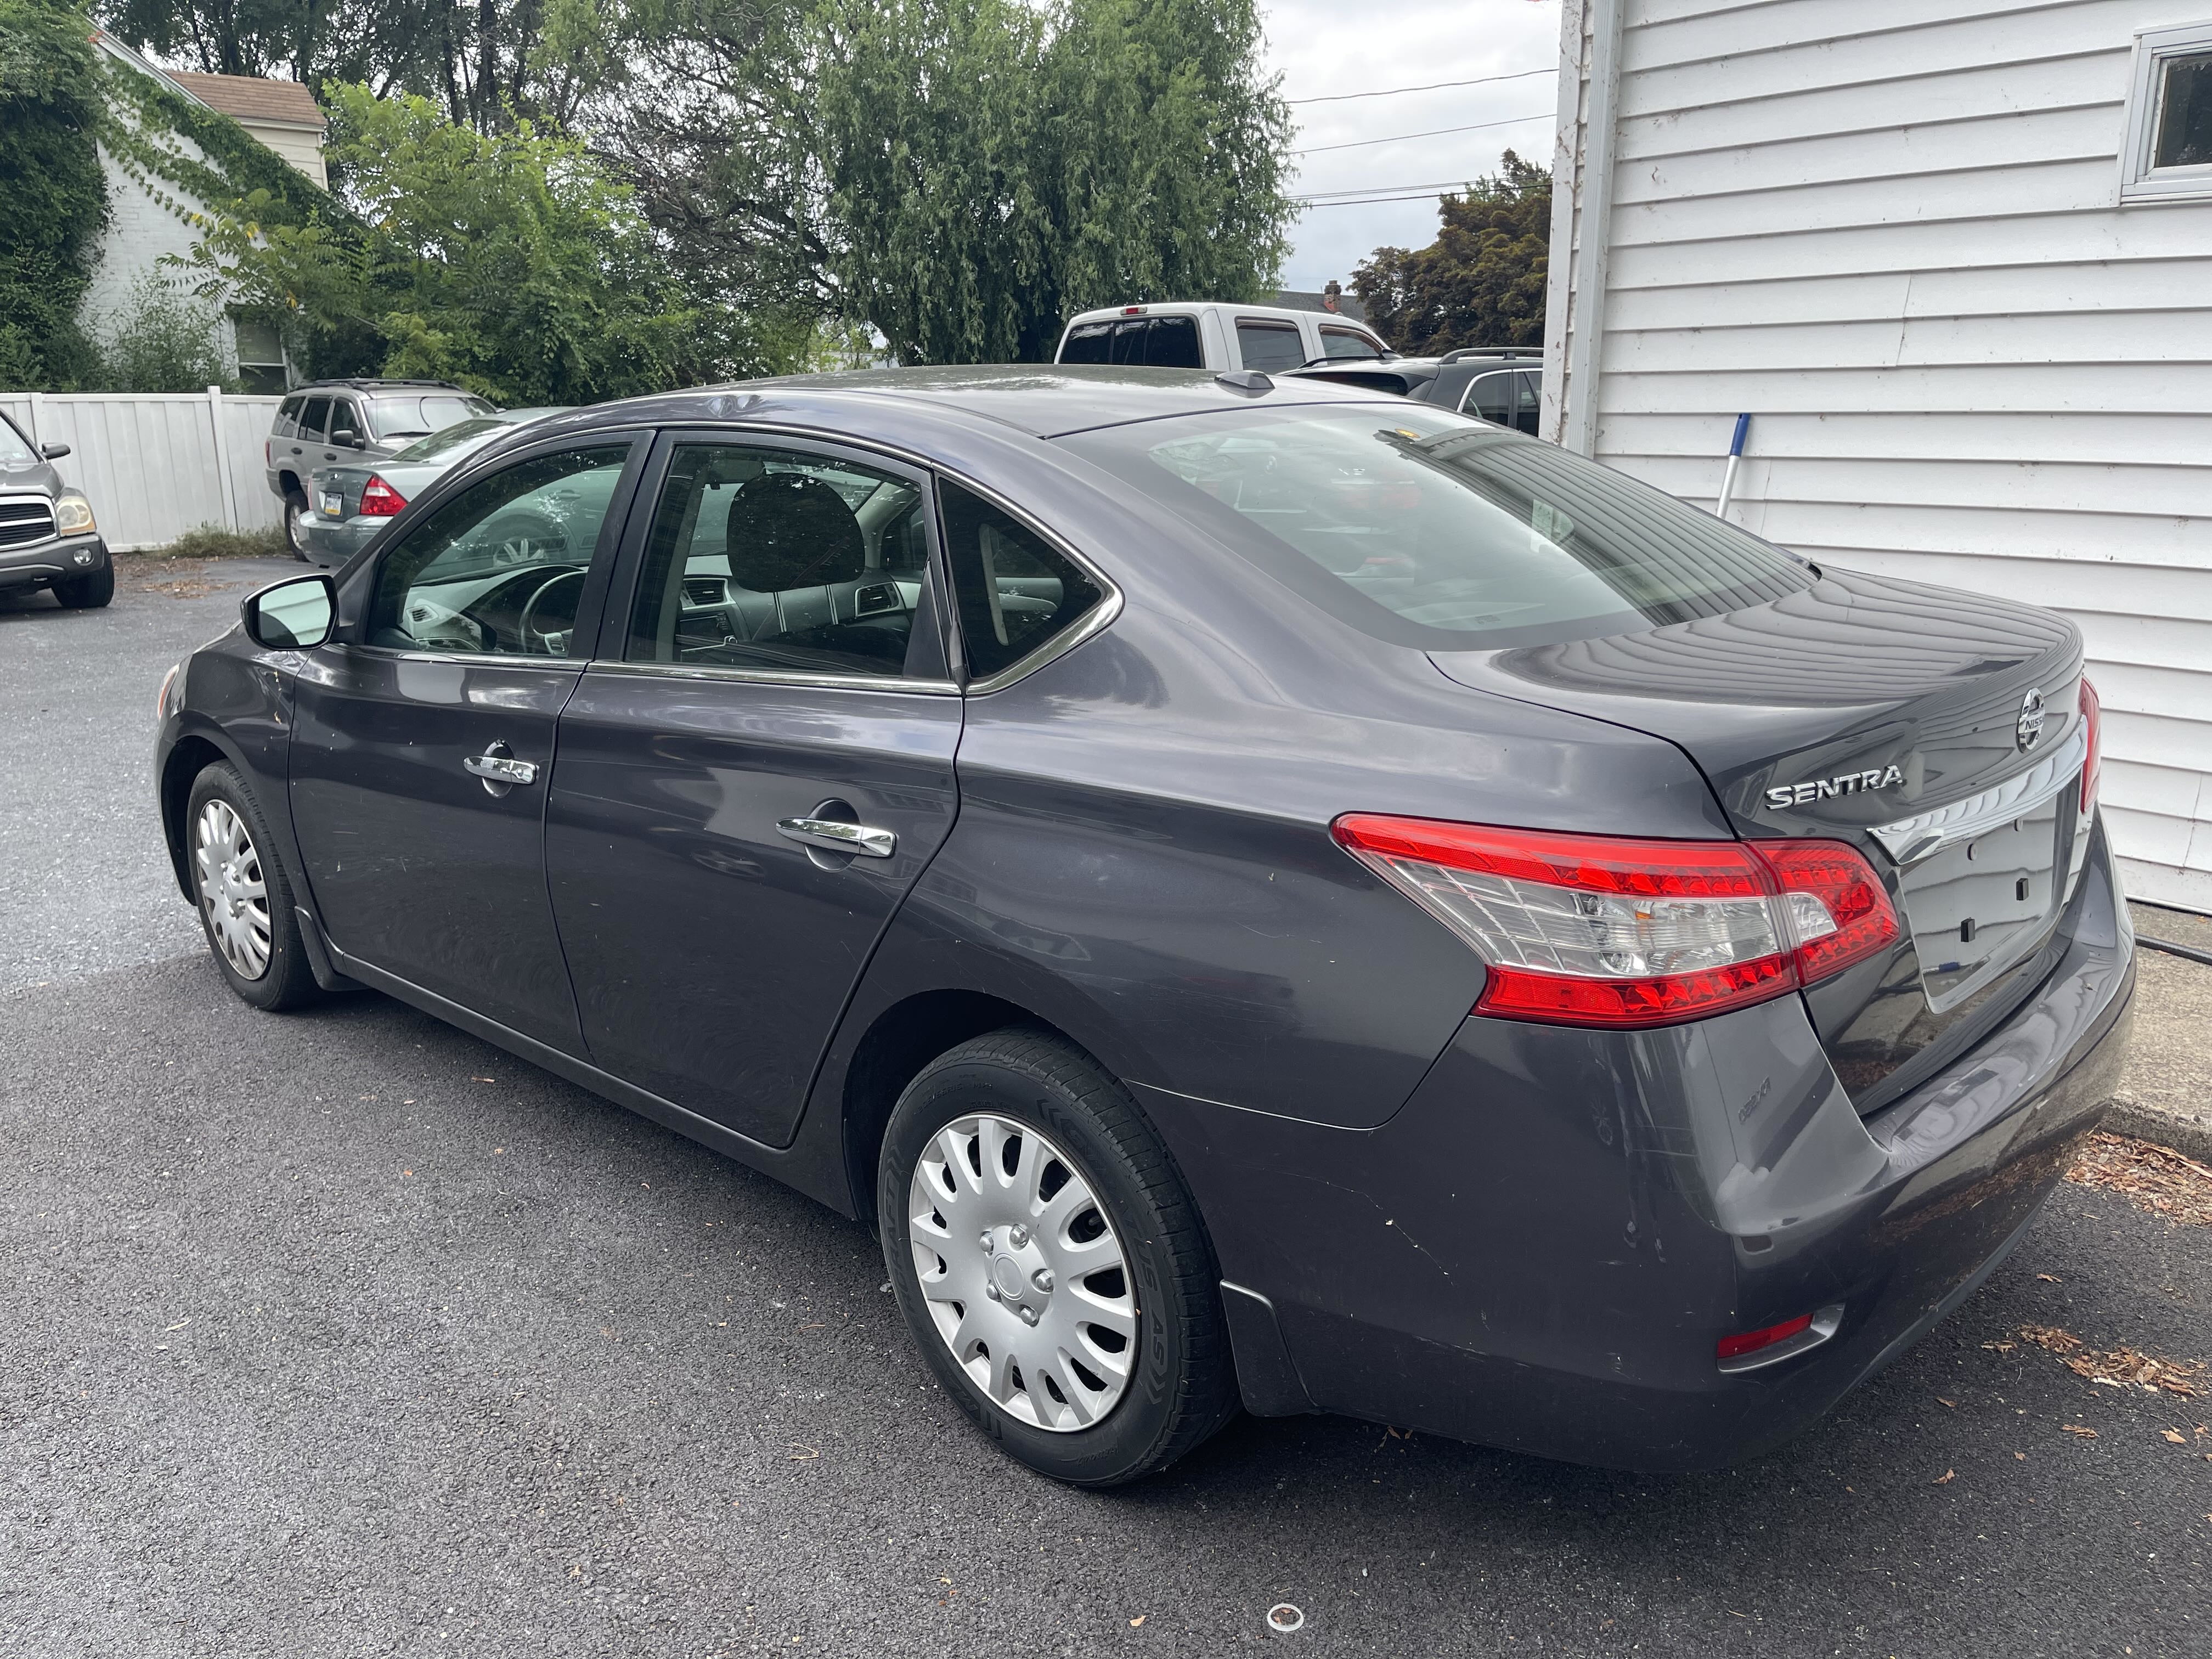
(834, 835)
(496, 767)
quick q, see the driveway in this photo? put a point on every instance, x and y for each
(343, 1333)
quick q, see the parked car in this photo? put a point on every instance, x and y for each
(354, 499)
(329, 421)
(1262, 891)
(48, 537)
(1500, 384)
(1213, 335)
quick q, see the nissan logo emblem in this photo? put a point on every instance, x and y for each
(2030, 726)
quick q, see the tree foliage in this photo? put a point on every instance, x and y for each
(164, 340)
(508, 262)
(53, 197)
(1481, 282)
(960, 174)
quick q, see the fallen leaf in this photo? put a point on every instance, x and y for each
(2151, 1177)
(2175, 1436)
(2019, 1457)
(802, 1453)
(2086, 1432)
(1953, 1404)
(1945, 1479)
(1139, 1620)
(179, 1325)
(2050, 1279)
(483, 1079)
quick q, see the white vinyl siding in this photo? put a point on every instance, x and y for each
(1890, 231)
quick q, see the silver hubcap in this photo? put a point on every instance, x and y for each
(1022, 1272)
(233, 895)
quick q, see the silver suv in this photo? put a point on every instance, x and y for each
(350, 420)
(47, 536)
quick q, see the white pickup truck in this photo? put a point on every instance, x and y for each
(1207, 334)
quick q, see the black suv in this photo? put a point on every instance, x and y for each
(327, 420)
(1504, 384)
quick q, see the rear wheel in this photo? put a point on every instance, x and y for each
(245, 898)
(1050, 1262)
(296, 512)
(89, 591)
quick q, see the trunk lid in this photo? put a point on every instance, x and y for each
(1938, 731)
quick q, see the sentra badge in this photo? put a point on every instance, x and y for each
(1851, 783)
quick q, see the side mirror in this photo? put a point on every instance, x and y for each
(346, 438)
(293, 615)
(53, 452)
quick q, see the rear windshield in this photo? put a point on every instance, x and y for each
(412, 417)
(455, 440)
(1424, 528)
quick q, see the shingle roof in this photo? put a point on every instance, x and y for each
(249, 98)
(1297, 299)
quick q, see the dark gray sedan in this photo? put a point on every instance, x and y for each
(1264, 893)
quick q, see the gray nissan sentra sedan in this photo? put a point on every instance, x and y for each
(1265, 894)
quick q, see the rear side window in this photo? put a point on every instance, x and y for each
(1087, 343)
(1014, 594)
(1268, 347)
(1347, 343)
(288, 417)
(1421, 527)
(1173, 343)
(1490, 398)
(1531, 404)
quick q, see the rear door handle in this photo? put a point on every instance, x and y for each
(834, 835)
(499, 768)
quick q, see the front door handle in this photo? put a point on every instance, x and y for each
(834, 835)
(499, 768)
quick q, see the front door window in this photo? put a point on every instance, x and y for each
(499, 569)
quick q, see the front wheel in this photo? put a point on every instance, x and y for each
(89, 592)
(244, 896)
(296, 514)
(1050, 1262)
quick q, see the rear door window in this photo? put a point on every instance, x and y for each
(1529, 405)
(1173, 343)
(1013, 591)
(1491, 397)
(781, 561)
(315, 419)
(1348, 343)
(1269, 346)
(1087, 343)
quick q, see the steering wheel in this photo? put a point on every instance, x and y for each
(536, 638)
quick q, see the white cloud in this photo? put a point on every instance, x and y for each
(1326, 46)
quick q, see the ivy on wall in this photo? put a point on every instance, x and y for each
(53, 195)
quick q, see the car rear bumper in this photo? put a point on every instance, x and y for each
(44, 563)
(1541, 1250)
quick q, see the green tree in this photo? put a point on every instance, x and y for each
(163, 340)
(508, 262)
(960, 174)
(1481, 282)
(53, 195)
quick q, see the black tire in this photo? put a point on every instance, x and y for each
(286, 980)
(89, 592)
(1183, 1384)
(295, 507)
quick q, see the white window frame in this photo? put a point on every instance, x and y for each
(2141, 182)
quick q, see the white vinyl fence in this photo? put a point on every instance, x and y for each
(158, 463)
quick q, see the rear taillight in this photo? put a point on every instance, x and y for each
(2092, 718)
(1599, 930)
(379, 500)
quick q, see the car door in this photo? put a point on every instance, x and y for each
(309, 438)
(423, 739)
(755, 769)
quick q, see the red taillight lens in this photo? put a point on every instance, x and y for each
(1735, 1347)
(1600, 930)
(2093, 718)
(379, 500)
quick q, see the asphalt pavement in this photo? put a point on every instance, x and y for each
(343, 1333)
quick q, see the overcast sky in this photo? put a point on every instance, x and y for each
(1329, 47)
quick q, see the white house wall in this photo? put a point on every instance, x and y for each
(1888, 229)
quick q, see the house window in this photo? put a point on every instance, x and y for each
(2169, 144)
(261, 366)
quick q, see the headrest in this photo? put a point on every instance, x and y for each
(786, 530)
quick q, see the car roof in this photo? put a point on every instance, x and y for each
(1040, 400)
(1265, 313)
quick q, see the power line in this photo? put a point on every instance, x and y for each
(1371, 201)
(1436, 132)
(1323, 195)
(1392, 92)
